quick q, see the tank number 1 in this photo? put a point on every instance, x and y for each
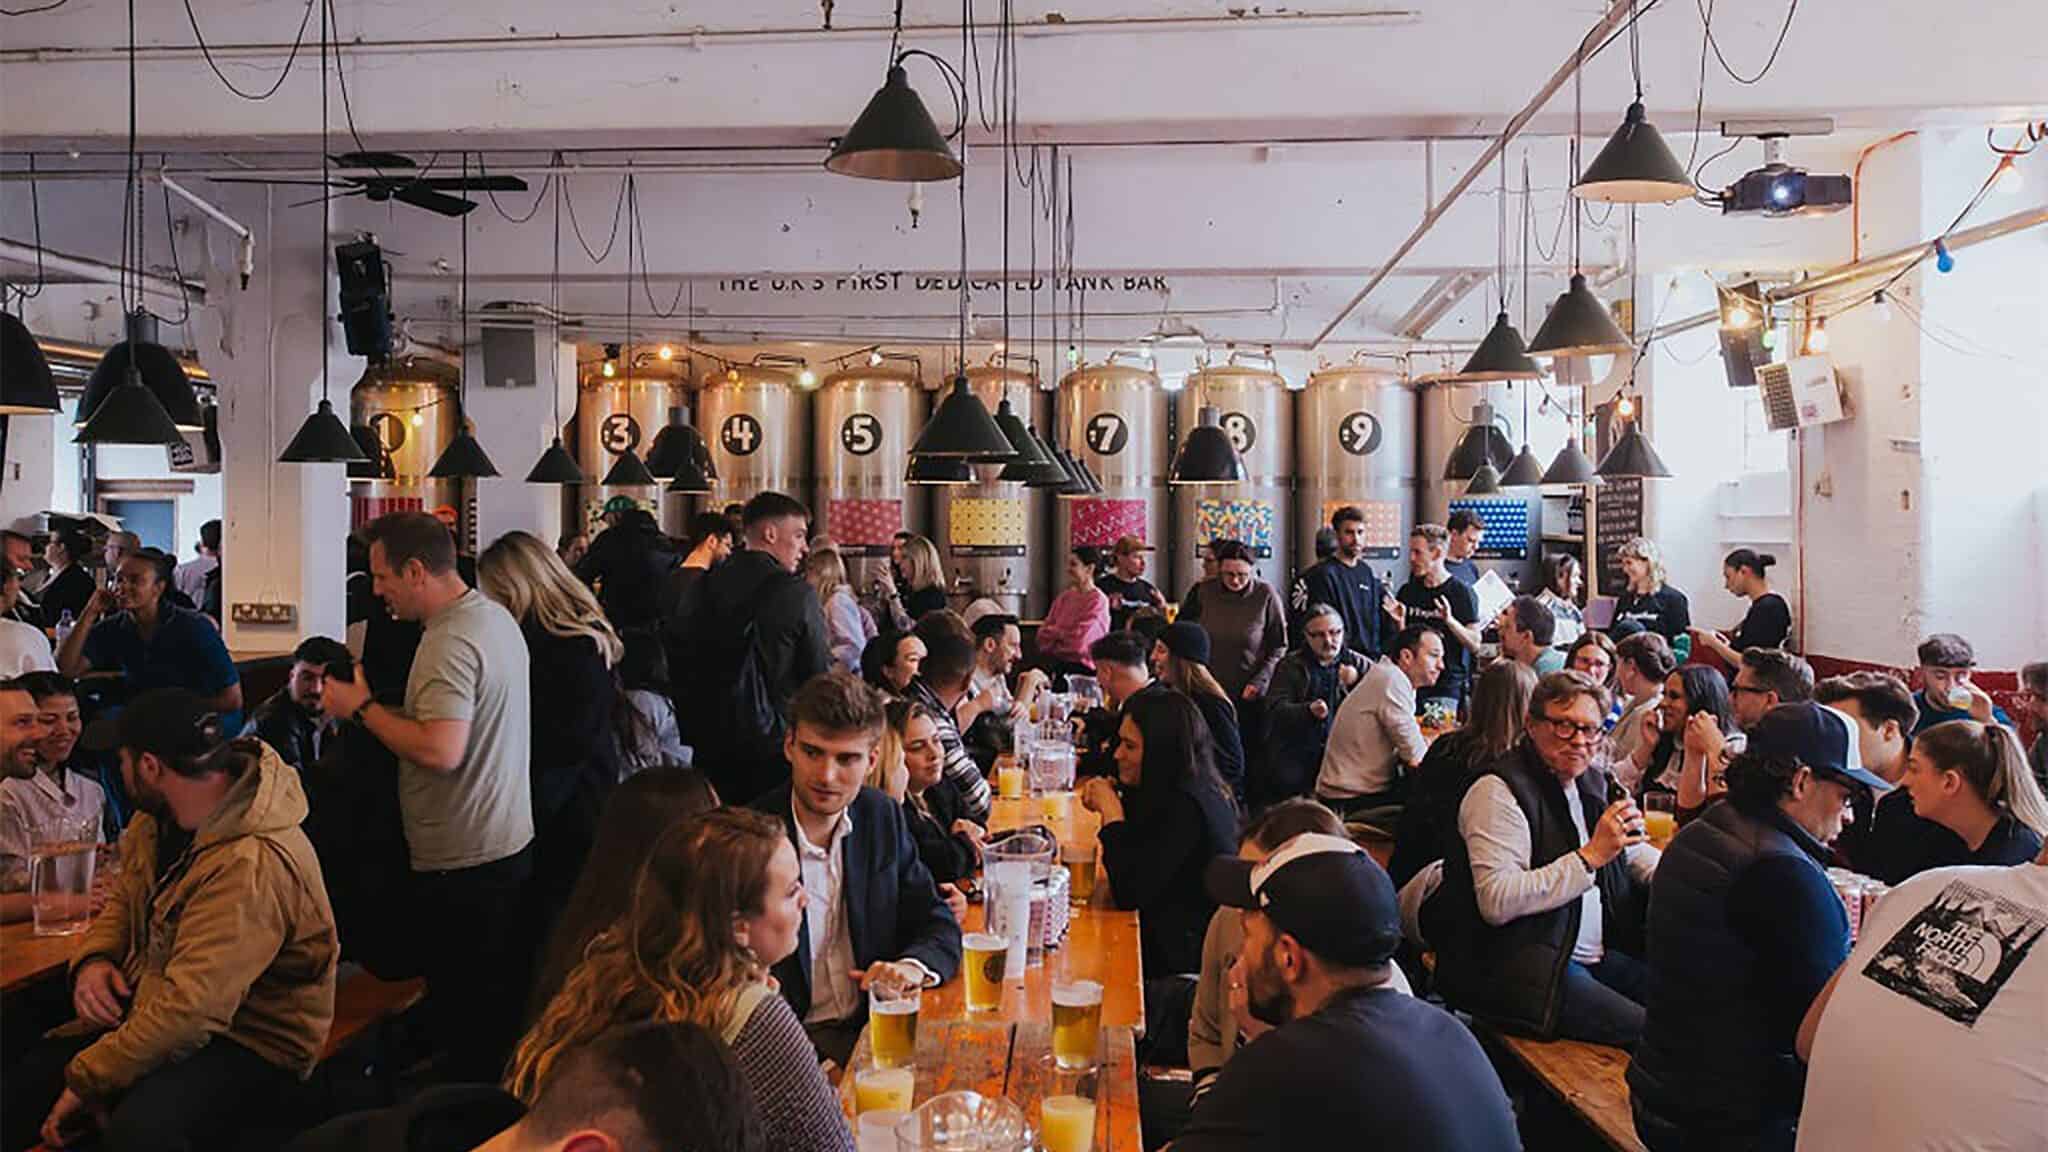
(1359, 433)
(1107, 433)
(861, 433)
(740, 434)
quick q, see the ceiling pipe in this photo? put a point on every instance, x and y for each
(246, 255)
(1870, 268)
(99, 272)
(1616, 15)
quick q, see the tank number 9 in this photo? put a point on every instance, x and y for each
(1359, 433)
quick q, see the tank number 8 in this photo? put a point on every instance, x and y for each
(1107, 433)
(1242, 432)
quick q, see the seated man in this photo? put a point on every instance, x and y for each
(1375, 738)
(1538, 924)
(206, 986)
(873, 910)
(1946, 690)
(1308, 688)
(139, 632)
(1745, 930)
(293, 722)
(1351, 1059)
(998, 646)
(1527, 628)
(1886, 838)
(54, 792)
(1123, 666)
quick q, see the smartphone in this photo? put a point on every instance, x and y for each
(343, 668)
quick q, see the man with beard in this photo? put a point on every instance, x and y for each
(1347, 583)
(53, 792)
(1349, 1054)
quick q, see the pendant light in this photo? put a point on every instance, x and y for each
(1502, 355)
(464, 458)
(26, 386)
(1571, 465)
(1636, 166)
(961, 426)
(1207, 456)
(322, 439)
(155, 365)
(1632, 455)
(695, 473)
(895, 137)
(1578, 324)
(1525, 471)
(1046, 472)
(1485, 482)
(555, 465)
(935, 470)
(629, 471)
(1482, 445)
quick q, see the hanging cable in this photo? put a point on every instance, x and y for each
(555, 309)
(35, 212)
(634, 222)
(52, 6)
(612, 238)
(1706, 18)
(290, 58)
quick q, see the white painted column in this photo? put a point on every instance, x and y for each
(515, 425)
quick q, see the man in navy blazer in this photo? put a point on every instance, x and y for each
(873, 912)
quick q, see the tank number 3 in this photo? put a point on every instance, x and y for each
(620, 433)
(1107, 432)
(740, 434)
(861, 433)
(1359, 433)
(1242, 432)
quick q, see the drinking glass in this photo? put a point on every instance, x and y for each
(1660, 818)
(883, 1090)
(986, 956)
(964, 1122)
(1080, 860)
(1076, 1023)
(1066, 1116)
(62, 852)
(892, 1023)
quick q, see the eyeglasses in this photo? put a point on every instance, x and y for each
(1568, 729)
(1737, 688)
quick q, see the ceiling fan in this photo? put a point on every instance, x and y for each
(406, 183)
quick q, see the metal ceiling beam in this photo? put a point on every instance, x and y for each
(1438, 299)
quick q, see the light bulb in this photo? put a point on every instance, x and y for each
(1737, 317)
(666, 352)
(1073, 354)
(1817, 338)
(1627, 406)
(1884, 306)
(610, 369)
(1944, 260)
(875, 358)
(732, 375)
(1770, 338)
(806, 378)
(419, 419)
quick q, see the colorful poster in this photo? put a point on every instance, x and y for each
(986, 526)
(863, 527)
(364, 509)
(1385, 535)
(1249, 522)
(1098, 523)
(1507, 525)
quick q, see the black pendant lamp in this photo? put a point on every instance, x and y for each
(1207, 456)
(376, 463)
(157, 369)
(1632, 456)
(1571, 465)
(629, 471)
(555, 465)
(894, 138)
(662, 458)
(1579, 325)
(939, 470)
(695, 473)
(464, 458)
(1525, 471)
(1026, 448)
(26, 386)
(1045, 472)
(962, 427)
(1501, 356)
(1485, 482)
(1482, 444)
(1636, 166)
(131, 415)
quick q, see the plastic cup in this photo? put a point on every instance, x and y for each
(883, 1090)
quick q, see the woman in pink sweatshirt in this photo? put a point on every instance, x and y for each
(1079, 616)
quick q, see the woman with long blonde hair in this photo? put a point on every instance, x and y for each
(925, 577)
(1648, 604)
(847, 625)
(717, 904)
(525, 575)
(1972, 779)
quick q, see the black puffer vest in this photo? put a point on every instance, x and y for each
(1513, 975)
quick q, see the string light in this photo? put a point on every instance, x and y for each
(732, 375)
(419, 419)
(1626, 406)
(806, 378)
(1817, 337)
(666, 352)
(1883, 306)
(611, 369)
(1737, 317)
(875, 354)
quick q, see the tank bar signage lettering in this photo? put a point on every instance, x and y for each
(740, 434)
(898, 280)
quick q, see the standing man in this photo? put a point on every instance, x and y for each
(1348, 584)
(1467, 531)
(69, 585)
(1527, 627)
(760, 634)
(152, 641)
(1125, 582)
(192, 575)
(1308, 688)
(463, 741)
(293, 721)
(1432, 596)
(873, 912)
(1375, 739)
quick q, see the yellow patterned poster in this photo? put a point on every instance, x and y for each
(1249, 522)
(987, 527)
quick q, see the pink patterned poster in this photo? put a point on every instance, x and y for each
(864, 527)
(1098, 523)
(1385, 536)
(363, 509)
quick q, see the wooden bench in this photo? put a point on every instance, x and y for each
(362, 1002)
(1587, 1078)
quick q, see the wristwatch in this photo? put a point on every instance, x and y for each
(356, 717)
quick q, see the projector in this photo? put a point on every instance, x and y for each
(1779, 189)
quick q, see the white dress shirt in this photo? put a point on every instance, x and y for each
(1499, 845)
(833, 995)
(1374, 735)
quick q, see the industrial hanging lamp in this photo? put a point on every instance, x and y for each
(1578, 324)
(895, 137)
(1028, 451)
(323, 438)
(1482, 445)
(1045, 472)
(1485, 482)
(1632, 454)
(1636, 166)
(1525, 471)
(695, 473)
(629, 471)
(555, 465)
(1207, 456)
(155, 366)
(939, 470)
(1502, 355)
(464, 458)
(26, 386)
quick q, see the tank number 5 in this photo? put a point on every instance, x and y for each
(861, 433)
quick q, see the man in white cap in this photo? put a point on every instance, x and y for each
(1350, 1057)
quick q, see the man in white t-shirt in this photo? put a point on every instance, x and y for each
(23, 647)
(1930, 1036)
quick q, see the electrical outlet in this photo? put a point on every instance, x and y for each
(266, 613)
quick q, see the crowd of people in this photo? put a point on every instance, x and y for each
(652, 817)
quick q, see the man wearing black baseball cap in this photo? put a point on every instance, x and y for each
(1745, 929)
(200, 1021)
(1350, 1058)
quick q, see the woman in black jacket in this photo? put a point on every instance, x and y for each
(947, 842)
(1167, 816)
(1500, 711)
(1180, 658)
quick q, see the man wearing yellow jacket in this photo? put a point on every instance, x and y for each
(206, 985)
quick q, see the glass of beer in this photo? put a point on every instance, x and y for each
(985, 958)
(1066, 1117)
(1660, 818)
(1080, 860)
(1076, 1021)
(892, 1024)
(883, 1090)
(1011, 779)
(61, 855)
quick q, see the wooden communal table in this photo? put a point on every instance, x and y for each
(1008, 1052)
(26, 958)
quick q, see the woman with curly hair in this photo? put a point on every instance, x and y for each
(719, 902)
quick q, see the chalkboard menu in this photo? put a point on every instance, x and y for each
(1618, 518)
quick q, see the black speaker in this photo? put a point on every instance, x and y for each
(508, 357)
(365, 299)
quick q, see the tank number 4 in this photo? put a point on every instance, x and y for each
(1359, 433)
(861, 433)
(1107, 433)
(740, 434)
